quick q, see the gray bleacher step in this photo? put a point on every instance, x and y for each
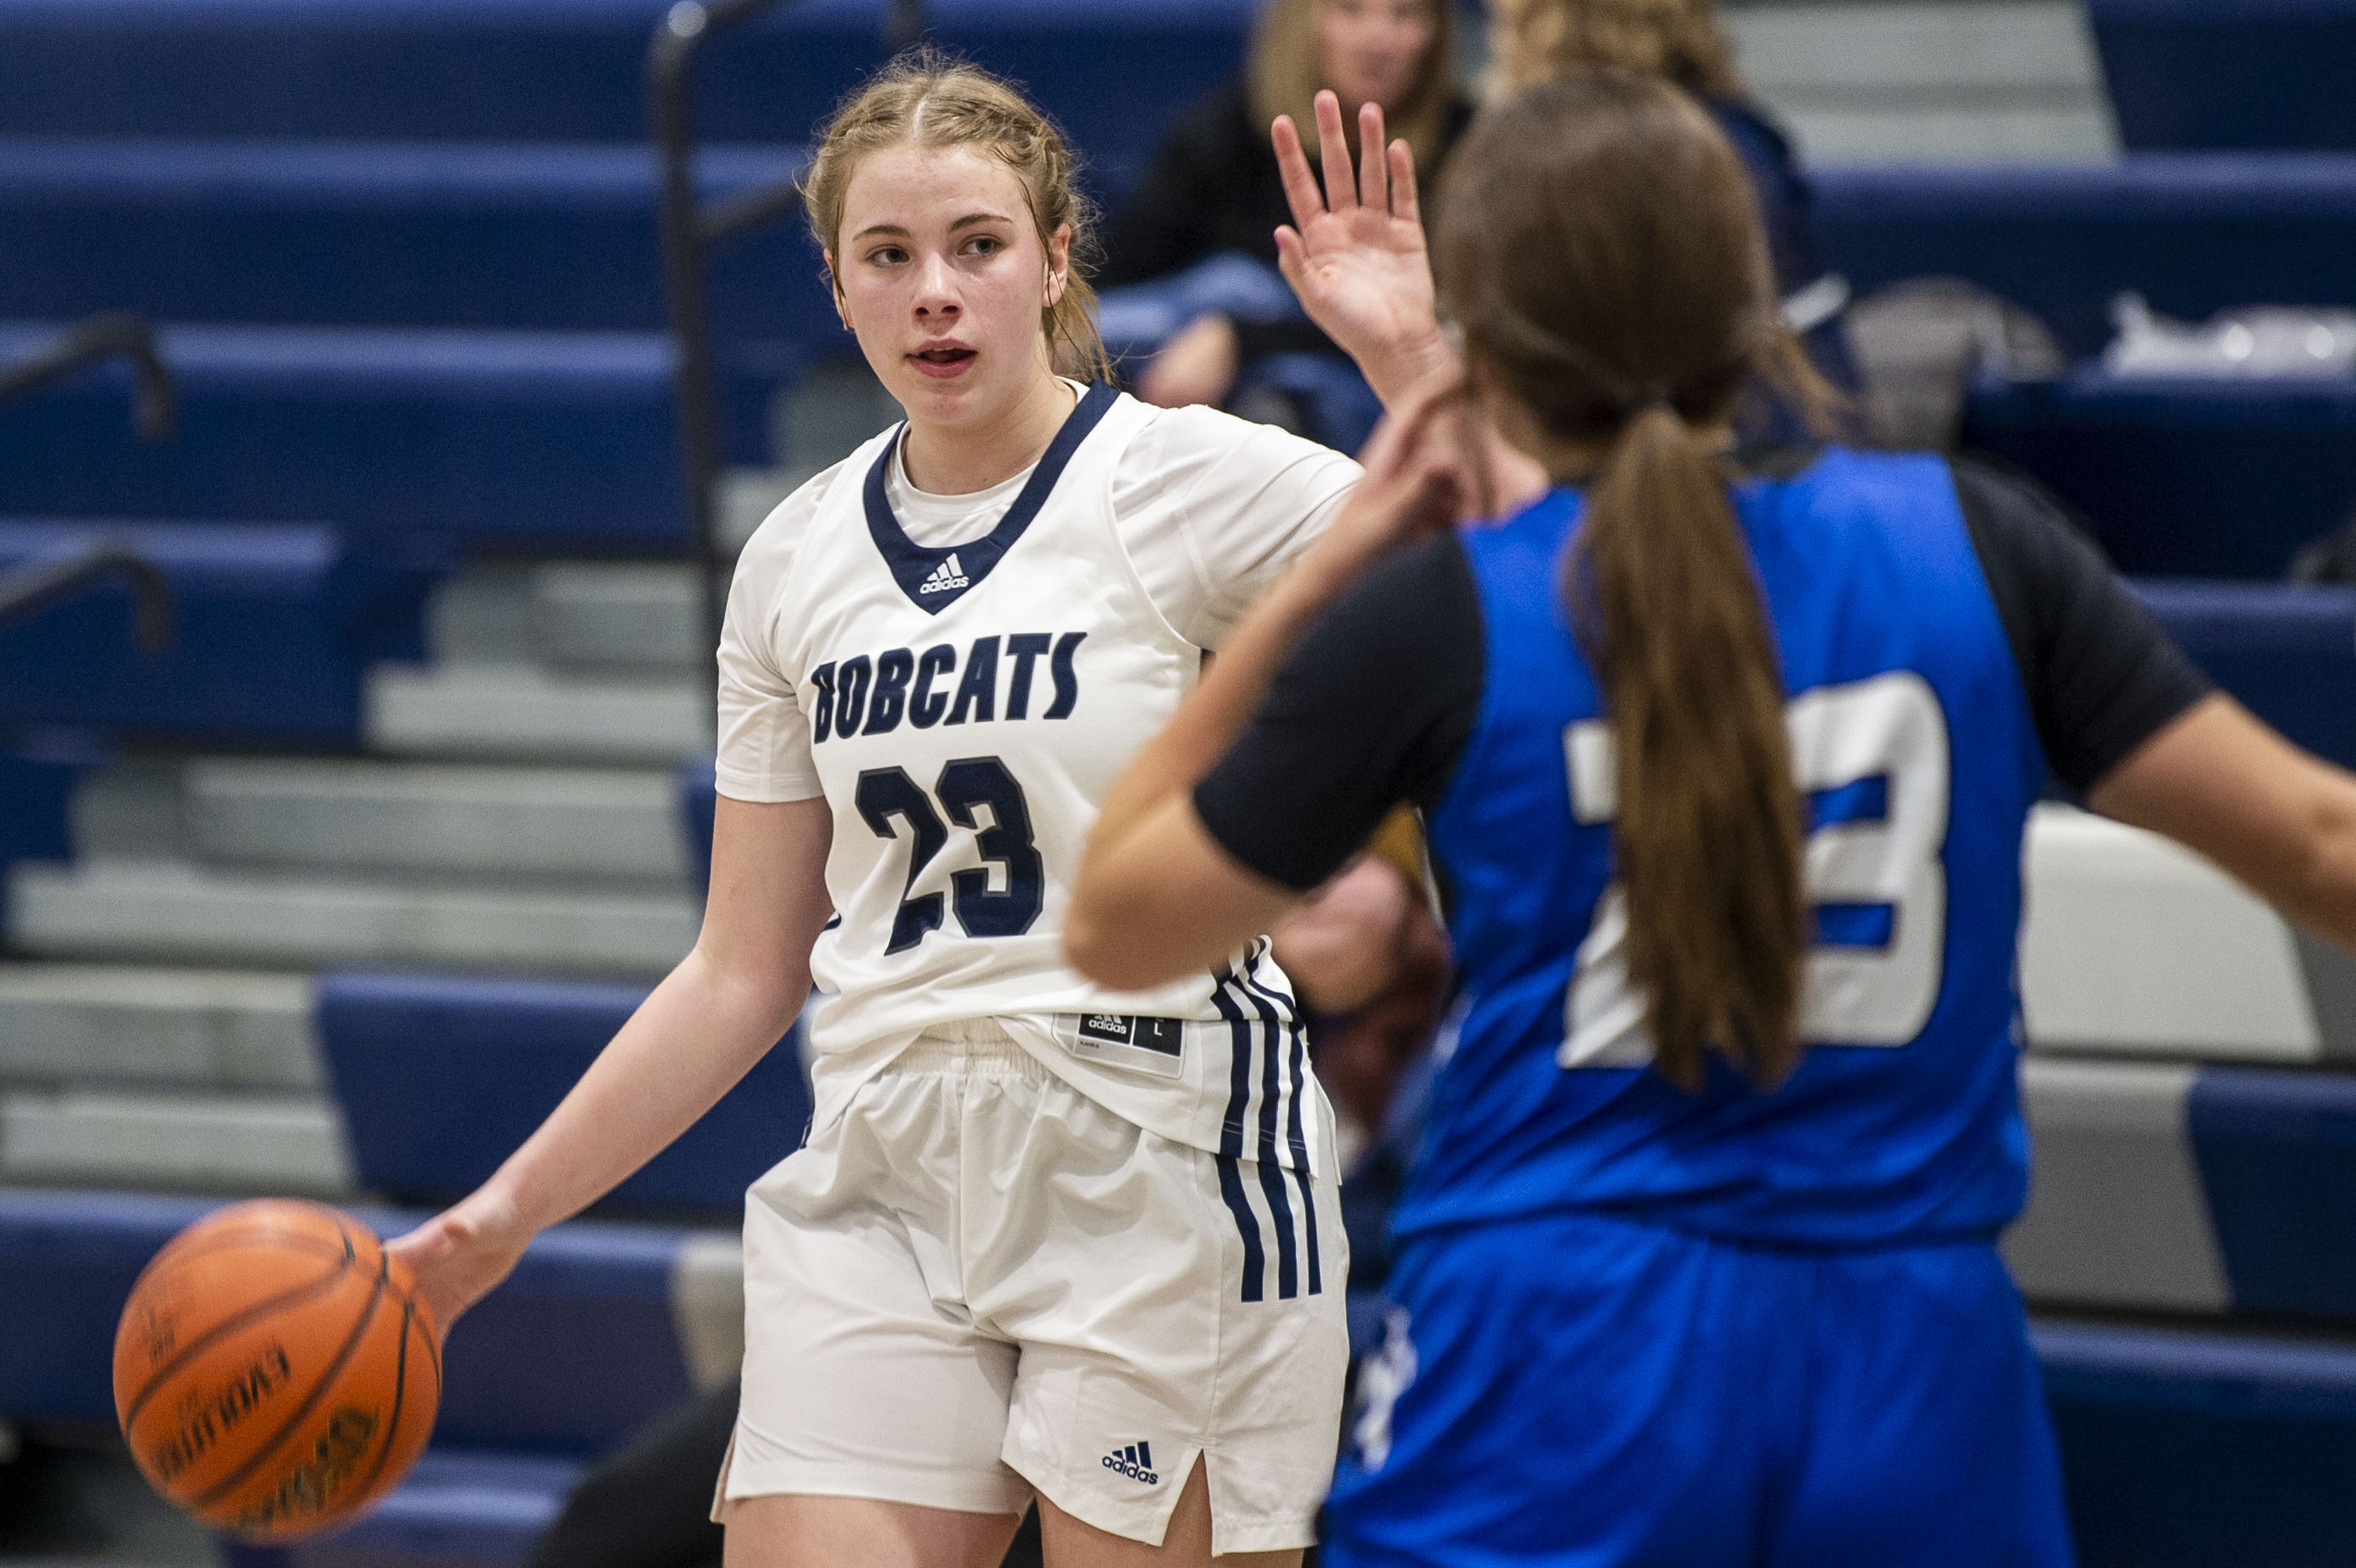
(603, 826)
(2134, 945)
(2117, 1215)
(130, 806)
(747, 496)
(620, 617)
(87, 1023)
(523, 712)
(604, 616)
(1931, 80)
(224, 1143)
(177, 911)
(593, 617)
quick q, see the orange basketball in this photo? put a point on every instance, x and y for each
(274, 1371)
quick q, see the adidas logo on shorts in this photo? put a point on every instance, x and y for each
(1136, 1462)
(946, 576)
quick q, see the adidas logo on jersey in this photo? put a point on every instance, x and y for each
(1136, 1462)
(946, 576)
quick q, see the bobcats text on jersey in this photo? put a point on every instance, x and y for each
(864, 696)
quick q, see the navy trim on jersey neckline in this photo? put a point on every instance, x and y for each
(914, 565)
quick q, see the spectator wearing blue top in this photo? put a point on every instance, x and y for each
(1213, 186)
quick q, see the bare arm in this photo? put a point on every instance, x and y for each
(1157, 896)
(1341, 948)
(2218, 781)
(700, 1030)
(1359, 262)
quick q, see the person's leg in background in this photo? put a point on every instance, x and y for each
(648, 1503)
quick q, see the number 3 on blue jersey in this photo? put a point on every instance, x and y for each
(1888, 729)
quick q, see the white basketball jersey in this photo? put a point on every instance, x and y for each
(968, 708)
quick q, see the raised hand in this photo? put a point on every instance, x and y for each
(1354, 250)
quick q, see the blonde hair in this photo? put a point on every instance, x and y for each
(929, 99)
(1677, 41)
(1286, 71)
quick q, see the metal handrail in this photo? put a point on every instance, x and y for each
(34, 587)
(689, 233)
(155, 402)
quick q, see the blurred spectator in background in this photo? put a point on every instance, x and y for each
(1681, 42)
(1212, 188)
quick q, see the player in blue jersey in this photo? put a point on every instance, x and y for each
(1727, 770)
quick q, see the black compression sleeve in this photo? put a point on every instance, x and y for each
(1255, 340)
(1160, 228)
(1372, 706)
(2102, 675)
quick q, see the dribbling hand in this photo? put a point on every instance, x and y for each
(1355, 252)
(460, 1255)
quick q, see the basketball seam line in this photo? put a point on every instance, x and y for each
(290, 1296)
(392, 1418)
(319, 1391)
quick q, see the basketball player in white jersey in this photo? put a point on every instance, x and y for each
(1046, 1240)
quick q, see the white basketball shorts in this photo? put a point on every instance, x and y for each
(977, 1281)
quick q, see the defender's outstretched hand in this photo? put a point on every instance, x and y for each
(1354, 250)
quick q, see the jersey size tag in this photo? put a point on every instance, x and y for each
(1125, 1040)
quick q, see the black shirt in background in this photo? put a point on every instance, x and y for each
(1374, 705)
(1213, 186)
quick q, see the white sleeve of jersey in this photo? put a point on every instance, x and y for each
(764, 742)
(1212, 508)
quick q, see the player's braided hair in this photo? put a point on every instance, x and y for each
(929, 99)
(1599, 248)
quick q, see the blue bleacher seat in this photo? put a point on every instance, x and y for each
(441, 1077)
(559, 438)
(2189, 1188)
(2252, 73)
(2185, 1449)
(37, 773)
(699, 796)
(275, 628)
(1114, 71)
(67, 1263)
(2181, 477)
(2286, 653)
(427, 234)
(2194, 233)
(456, 1510)
(579, 1348)
(2277, 1161)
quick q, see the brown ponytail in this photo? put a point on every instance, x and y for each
(1599, 248)
(1708, 825)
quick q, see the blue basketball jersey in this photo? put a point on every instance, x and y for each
(1916, 754)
